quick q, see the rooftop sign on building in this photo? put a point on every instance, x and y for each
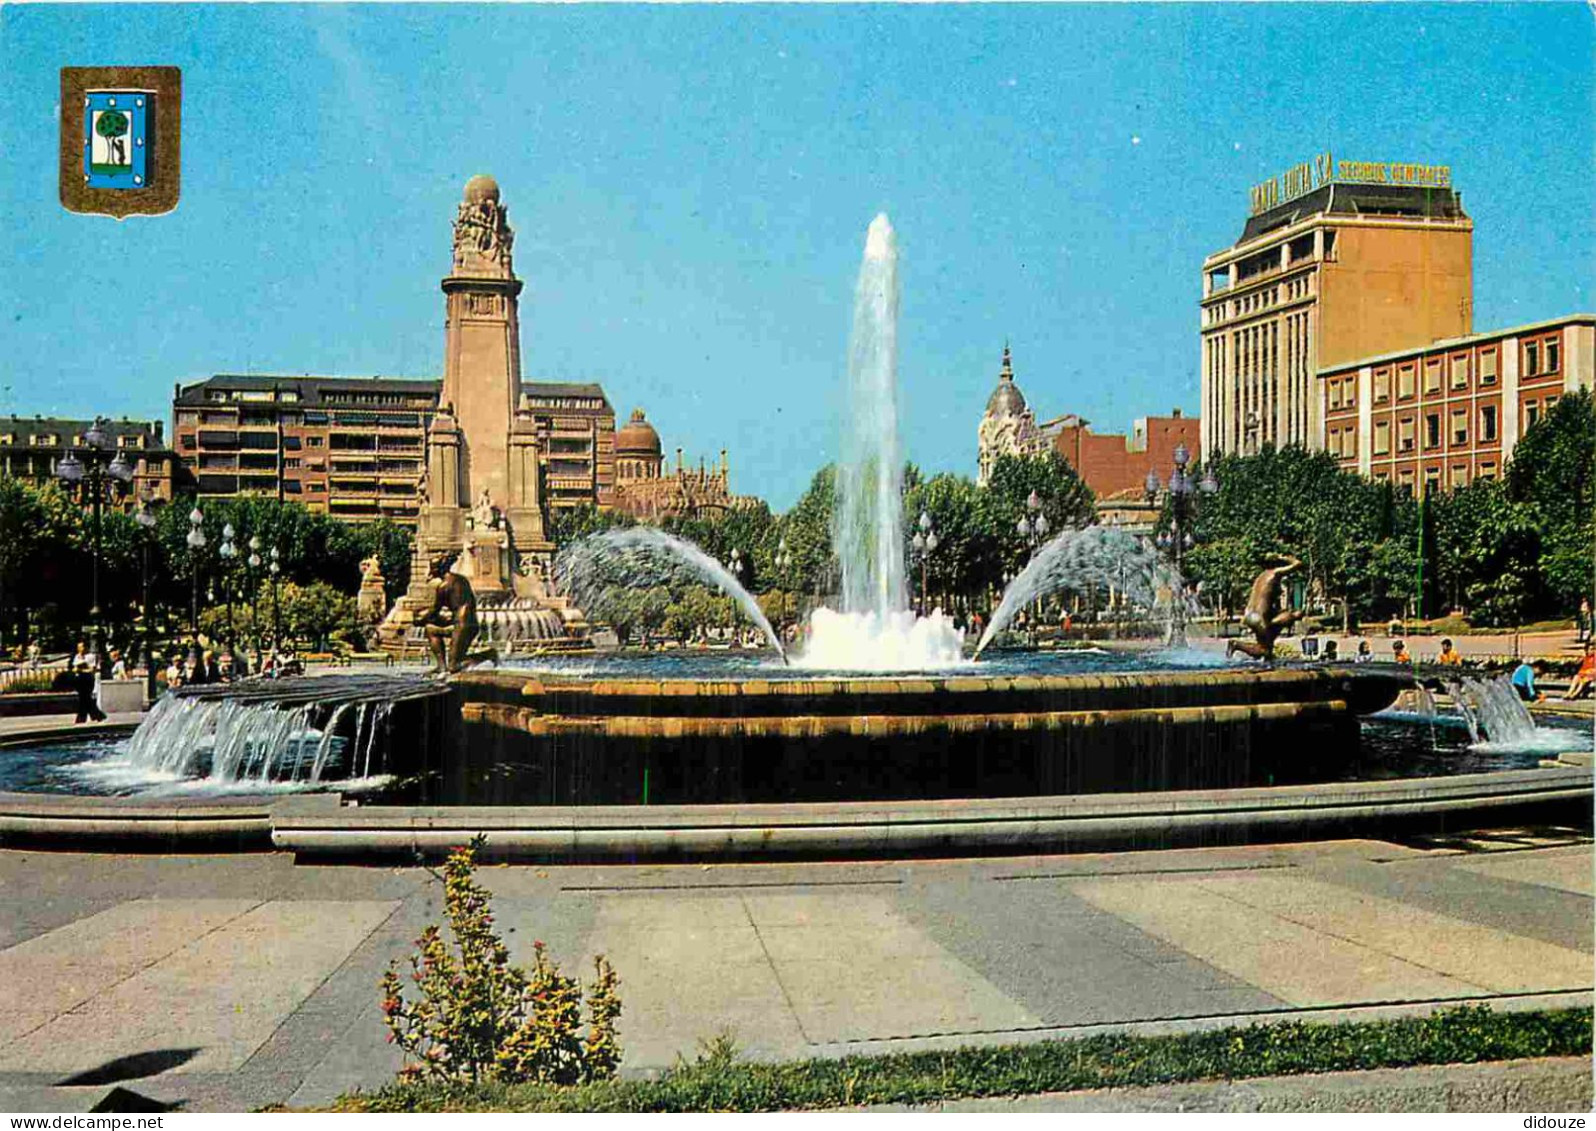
(1300, 180)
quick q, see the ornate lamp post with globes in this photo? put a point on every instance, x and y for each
(145, 517)
(1183, 502)
(196, 543)
(228, 552)
(96, 471)
(924, 543)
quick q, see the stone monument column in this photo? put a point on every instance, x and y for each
(481, 493)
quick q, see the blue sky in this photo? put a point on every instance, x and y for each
(690, 188)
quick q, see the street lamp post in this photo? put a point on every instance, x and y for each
(277, 608)
(254, 563)
(924, 543)
(146, 520)
(228, 551)
(783, 566)
(1032, 529)
(95, 471)
(1183, 498)
(196, 543)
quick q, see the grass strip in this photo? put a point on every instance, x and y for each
(717, 1081)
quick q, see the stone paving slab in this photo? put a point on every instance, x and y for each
(219, 997)
(60, 971)
(1290, 960)
(1572, 871)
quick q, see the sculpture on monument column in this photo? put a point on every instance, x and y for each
(485, 515)
(450, 624)
(481, 231)
(1264, 617)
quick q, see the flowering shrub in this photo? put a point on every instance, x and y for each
(478, 1018)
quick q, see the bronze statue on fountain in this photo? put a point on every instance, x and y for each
(1264, 615)
(450, 624)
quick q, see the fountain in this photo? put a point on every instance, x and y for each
(880, 724)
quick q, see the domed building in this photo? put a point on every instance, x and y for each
(638, 455)
(1008, 427)
(644, 491)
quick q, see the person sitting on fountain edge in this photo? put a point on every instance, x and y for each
(1523, 680)
(1585, 676)
(1449, 655)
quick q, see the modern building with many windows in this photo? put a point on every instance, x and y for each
(1339, 260)
(354, 446)
(1444, 414)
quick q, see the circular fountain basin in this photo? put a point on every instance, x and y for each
(542, 736)
(622, 758)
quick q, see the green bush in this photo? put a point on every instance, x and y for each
(481, 1020)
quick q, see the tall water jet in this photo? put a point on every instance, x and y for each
(874, 630)
(867, 525)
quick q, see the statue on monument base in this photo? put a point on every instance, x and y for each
(451, 624)
(1264, 616)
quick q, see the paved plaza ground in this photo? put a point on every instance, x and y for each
(232, 982)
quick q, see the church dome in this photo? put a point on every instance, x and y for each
(638, 438)
(481, 187)
(1006, 399)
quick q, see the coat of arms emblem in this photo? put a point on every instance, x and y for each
(120, 139)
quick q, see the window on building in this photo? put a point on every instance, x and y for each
(1532, 413)
(1382, 386)
(1349, 443)
(1487, 423)
(1488, 367)
(1382, 438)
(1460, 475)
(1460, 372)
(1382, 477)
(1553, 355)
(1405, 382)
(1405, 481)
(313, 441)
(1405, 434)
(1549, 402)
(1532, 359)
(1460, 426)
(1432, 481)
(1432, 376)
(1333, 440)
(1432, 430)
(1487, 471)
(1334, 394)
(186, 439)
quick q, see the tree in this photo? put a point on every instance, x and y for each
(1067, 502)
(572, 524)
(315, 612)
(1553, 474)
(969, 554)
(112, 126)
